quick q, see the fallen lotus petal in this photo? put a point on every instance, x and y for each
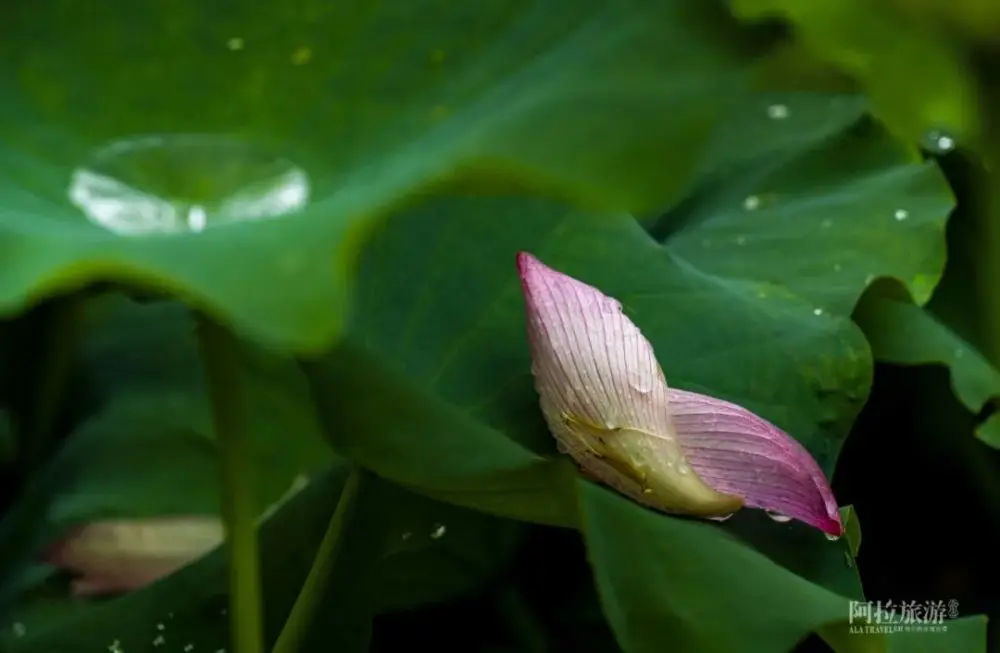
(607, 403)
(604, 396)
(739, 453)
(123, 555)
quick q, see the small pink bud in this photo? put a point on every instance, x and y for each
(123, 555)
(606, 401)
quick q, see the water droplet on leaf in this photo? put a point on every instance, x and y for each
(438, 532)
(901, 214)
(777, 111)
(817, 311)
(778, 517)
(751, 203)
(939, 142)
(165, 184)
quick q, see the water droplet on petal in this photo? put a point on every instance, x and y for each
(438, 532)
(682, 468)
(751, 203)
(832, 538)
(778, 517)
(184, 184)
(777, 111)
(901, 214)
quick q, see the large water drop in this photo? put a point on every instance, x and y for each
(185, 183)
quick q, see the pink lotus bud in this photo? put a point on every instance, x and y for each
(124, 555)
(606, 401)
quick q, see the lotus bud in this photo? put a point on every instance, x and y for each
(604, 396)
(118, 556)
(606, 401)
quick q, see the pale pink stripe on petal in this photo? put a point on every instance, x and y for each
(737, 452)
(604, 396)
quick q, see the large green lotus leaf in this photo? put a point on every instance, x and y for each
(377, 102)
(440, 301)
(905, 334)
(836, 203)
(717, 592)
(402, 551)
(918, 78)
(649, 562)
(380, 419)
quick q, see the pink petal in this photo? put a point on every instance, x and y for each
(123, 555)
(604, 396)
(739, 453)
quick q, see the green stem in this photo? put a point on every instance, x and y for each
(63, 326)
(322, 568)
(220, 352)
(988, 189)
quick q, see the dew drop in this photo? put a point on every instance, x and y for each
(235, 44)
(939, 142)
(777, 111)
(165, 184)
(817, 311)
(188, 648)
(438, 532)
(901, 214)
(778, 517)
(18, 629)
(159, 641)
(751, 203)
(160, 627)
(832, 538)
